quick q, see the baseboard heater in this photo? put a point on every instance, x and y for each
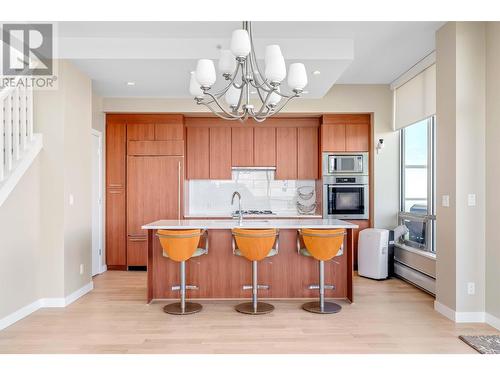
(413, 276)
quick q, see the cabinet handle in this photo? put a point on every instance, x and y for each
(179, 191)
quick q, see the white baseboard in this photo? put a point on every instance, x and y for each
(444, 310)
(78, 293)
(492, 321)
(19, 314)
(104, 268)
(44, 302)
(467, 316)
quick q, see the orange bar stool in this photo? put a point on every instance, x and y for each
(181, 245)
(322, 245)
(255, 245)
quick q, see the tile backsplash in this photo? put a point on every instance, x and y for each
(259, 191)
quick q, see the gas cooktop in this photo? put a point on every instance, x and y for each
(254, 212)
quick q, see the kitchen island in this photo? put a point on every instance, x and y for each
(220, 274)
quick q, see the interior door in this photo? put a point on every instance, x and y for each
(154, 192)
(96, 203)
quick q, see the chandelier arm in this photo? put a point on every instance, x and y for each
(224, 90)
(221, 107)
(262, 117)
(264, 105)
(253, 59)
(278, 109)
(222, 116)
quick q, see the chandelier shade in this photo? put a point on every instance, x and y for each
(240, 68)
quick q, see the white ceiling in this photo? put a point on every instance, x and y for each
(158, 56)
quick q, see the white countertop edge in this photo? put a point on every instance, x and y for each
(251, 224)
(278, 216)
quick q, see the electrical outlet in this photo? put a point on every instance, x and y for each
(471, 288)
(471, 200)
(445, 201)
(81, 269)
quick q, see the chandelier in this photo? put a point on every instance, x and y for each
(240, 68)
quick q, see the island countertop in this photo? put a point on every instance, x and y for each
(251, 224)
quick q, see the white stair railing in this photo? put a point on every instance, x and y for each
(16, 127)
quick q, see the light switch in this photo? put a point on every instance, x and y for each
(71, 199)
(445, 201)
(471, 200)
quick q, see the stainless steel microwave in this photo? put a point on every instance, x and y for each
(351, 163)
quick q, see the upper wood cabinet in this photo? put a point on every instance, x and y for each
(286, 154)
(220, 153)
(333, 137)
(169, 128)
(264, 140)
(340, 133)
(357, 137)
(197, 153)
(137, 131)
(308, 154)
(242, 147)
(116, 145)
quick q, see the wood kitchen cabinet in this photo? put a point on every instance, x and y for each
(264, 145)
(345, 133)
(169, 128)
(242, 147)
(154, 192)
(197, 153)
(363, 224)
(307, 154)
(286, 154)
(333, 137)
(115, 194)
(220, 153)
(140, 132)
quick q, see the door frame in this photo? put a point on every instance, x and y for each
(101, 256)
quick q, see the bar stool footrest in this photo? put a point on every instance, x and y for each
(247, 308)
(327, 287)
(260, 286)
(175, 308)
(328, 308)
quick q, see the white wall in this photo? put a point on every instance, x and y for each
(44, 239)
(20, 250)
(492, 168)
(460, 170)
(376, 99)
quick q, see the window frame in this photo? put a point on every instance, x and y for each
(430, 217)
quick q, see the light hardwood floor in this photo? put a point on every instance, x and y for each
(388, 317)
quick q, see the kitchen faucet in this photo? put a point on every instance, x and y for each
(240, 213)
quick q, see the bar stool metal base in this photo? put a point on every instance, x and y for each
(175, 308)
(247, 308)
(329, 307)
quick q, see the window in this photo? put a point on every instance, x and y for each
(417, 183)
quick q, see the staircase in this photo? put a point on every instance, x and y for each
(19, 146)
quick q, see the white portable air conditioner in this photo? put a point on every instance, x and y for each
(373, 253)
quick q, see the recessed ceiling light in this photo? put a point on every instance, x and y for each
(130, 83)
(316, 72)
(305, 92)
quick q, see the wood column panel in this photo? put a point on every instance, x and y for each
(286, 154)
(242, 152)
(220, 153)
(197, 153)
(308, 154)
(116, 231)
(264, 139)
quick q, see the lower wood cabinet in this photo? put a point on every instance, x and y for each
(363, 224)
